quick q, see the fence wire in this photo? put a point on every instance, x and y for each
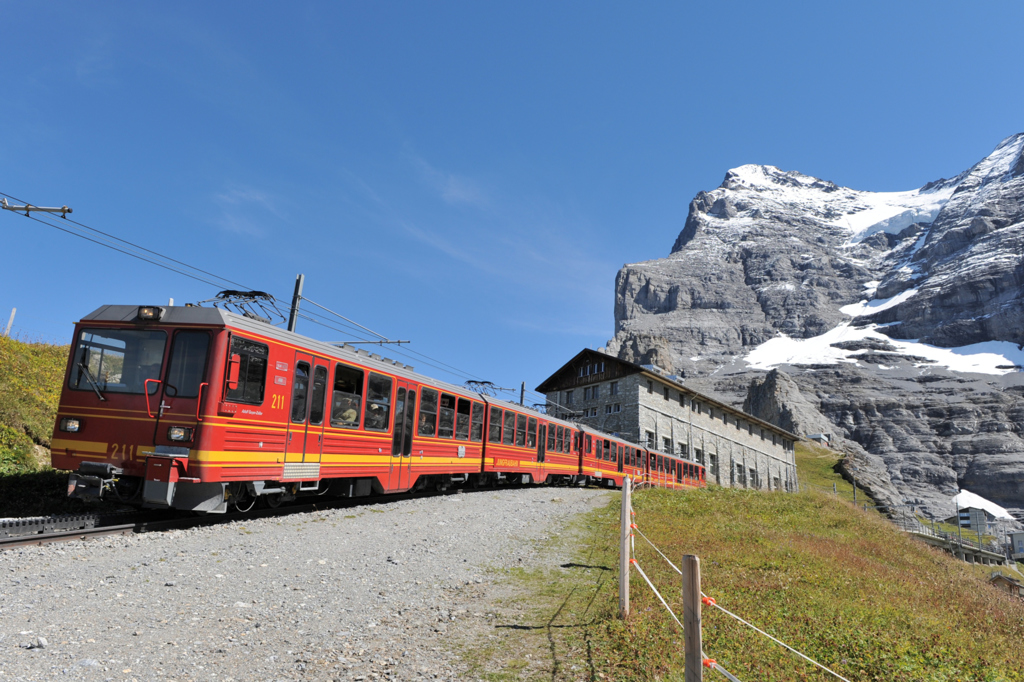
(708, 662)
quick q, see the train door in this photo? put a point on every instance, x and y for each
(622, 457)
(183, 391)
(542, 441)
(400, 476)
(306, 418)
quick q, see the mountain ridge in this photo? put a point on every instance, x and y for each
(917, 295)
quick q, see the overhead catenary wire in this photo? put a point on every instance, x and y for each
(134, 246)
(215, 280)
(127, 253)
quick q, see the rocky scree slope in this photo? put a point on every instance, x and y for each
(897, 317)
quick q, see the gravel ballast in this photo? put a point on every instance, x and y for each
(366, 593)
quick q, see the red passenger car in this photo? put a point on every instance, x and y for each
(203, 409)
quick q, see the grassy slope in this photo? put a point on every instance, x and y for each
(30, 378)
(838, 583)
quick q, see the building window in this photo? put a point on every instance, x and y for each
(595, 392)
(650, 387)
(666, 393)
(650, 439)
(616, 407)
(666, 444)
(682, 400)
(613, 388)
(683, 450)
(607, 409)
(568, 397)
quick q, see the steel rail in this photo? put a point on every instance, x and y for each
(146, 523)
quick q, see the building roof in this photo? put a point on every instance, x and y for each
(966, 499)
(549, 385)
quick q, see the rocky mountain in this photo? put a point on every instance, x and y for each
(897, 318)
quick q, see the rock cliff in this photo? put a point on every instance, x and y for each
(896, 317)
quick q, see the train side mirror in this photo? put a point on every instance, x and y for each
(233, 367)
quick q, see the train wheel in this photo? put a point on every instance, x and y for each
(271, 501)
(243, 500)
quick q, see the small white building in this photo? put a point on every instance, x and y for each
(1017, 546)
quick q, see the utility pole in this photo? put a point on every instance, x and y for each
(10, 323)
(296, 298)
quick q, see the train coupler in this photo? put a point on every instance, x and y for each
(91, 479)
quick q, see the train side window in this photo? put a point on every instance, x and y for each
(428, 412)
(552, 436)
(509, 435)
(347, 397)
(531, 434)
(188, 364)
(462, 419)
(559, 442)
(476, 431)
(494, 428)
(521, 430)
(378, 402)
(300, 391)
(316, 409)
(622, 454)
(446, 416)
(252, 371)
(599, 453)
(609, 451)
(589, 444)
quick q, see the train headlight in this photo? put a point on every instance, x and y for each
(70, 424)
(150, 313)
(179, 433)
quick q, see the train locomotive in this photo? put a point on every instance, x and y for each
(203, 409)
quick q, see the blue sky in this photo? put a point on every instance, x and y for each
(470, 176)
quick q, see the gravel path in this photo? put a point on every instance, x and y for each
(356, 594)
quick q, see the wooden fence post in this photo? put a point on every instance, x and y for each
(691, 619)
(624, 549)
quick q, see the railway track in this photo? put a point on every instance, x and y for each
(45, 530)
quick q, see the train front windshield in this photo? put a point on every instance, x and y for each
(118, 360)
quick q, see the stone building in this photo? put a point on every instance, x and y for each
(645, 405)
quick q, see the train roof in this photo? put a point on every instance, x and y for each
(217, 317)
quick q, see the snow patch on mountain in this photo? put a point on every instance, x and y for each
(859, 213)
(876, 306)
(990, 357)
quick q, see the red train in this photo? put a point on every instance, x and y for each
(203, 409)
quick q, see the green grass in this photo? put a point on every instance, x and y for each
(30, 379)
(839, 584)
(817, 467)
